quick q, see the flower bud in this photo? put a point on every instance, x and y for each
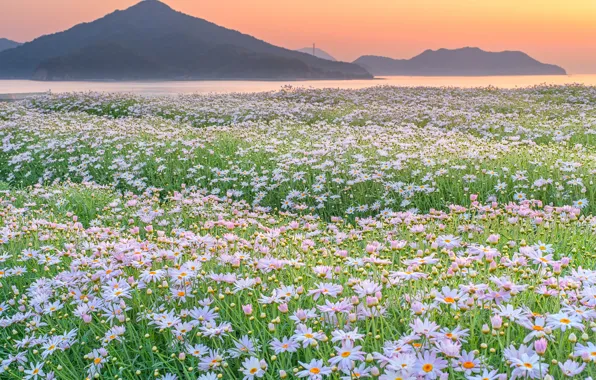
(540, 346)
(375, 371)
(247, 309)
(497, 322)
(493, 239)
(371, 301)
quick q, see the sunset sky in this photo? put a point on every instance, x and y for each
(552, 31)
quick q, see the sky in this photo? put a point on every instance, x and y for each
(562, 32)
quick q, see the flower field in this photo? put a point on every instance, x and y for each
(385, 233)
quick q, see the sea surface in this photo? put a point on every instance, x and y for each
(23, 87)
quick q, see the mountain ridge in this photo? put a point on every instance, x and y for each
(6, 44)
(176, 45)
(318, 53)
(467, 61)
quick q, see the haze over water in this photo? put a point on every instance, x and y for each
(186, 87)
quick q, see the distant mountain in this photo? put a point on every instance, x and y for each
(318, 53)
(459, 62)
(6, 44)
(152, 41)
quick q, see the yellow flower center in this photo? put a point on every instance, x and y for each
(468, 365)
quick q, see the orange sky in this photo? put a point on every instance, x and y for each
(553, 31)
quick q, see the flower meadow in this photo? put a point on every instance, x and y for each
(384, 233)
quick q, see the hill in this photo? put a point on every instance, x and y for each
(459, 62)
(152, 41)
(6, 44)
(318, 53)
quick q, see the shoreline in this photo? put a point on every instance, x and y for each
(15, 89)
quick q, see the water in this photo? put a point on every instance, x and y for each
(172, 87)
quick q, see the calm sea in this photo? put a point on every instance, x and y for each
(173, 87)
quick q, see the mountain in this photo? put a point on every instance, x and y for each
(459, 62)
(318, 53)
(6, 44)
(152, 41)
